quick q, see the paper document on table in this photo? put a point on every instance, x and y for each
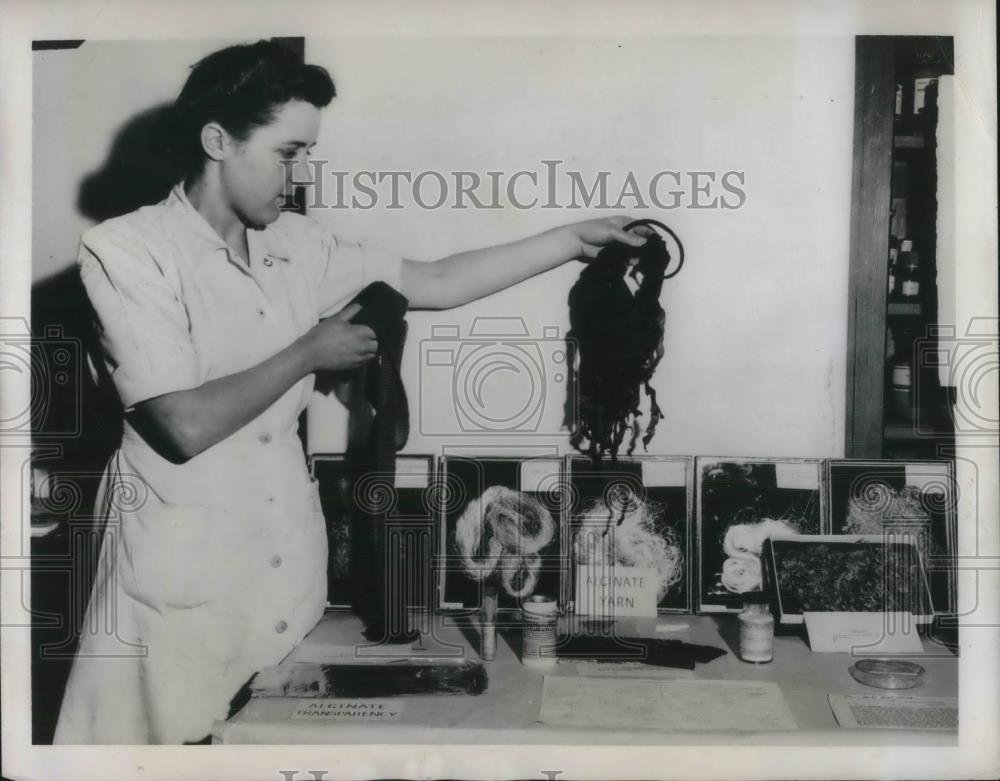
(594, 667)
(873, 711)
(670, 705)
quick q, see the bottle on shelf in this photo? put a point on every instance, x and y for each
(925, 89)
(909, 279)
(892, 292)
(902, 386)
(901, 376)
(898, 224)
(924, 94)
(899, 123)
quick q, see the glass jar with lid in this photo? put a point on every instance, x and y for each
(756, 632)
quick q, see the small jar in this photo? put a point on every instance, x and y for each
(756, 633)
(539, 622)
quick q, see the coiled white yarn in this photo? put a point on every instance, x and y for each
(631, 543)
(512, 527)
(741, 574)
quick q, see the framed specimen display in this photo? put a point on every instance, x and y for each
(500, 529)
(632, 514)
(345, 495)
(893, 498)
(740, 503)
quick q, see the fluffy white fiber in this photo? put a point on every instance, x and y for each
(631, 543)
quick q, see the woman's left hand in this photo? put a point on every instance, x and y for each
(593, 235)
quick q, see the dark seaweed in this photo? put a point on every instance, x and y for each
(402, 679)
(620, 342)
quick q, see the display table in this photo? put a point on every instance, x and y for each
(507, 713)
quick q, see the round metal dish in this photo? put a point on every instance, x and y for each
(888, 673)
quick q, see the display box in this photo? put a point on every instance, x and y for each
(408, 499)
(892, 498)
(740, 503)
(636, 513)
(501, 520)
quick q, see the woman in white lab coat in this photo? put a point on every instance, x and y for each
(214, 310)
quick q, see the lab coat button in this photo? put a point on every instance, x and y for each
(281, 626)
(261, 312)
(264, 438)
(276, 561)
(268, 262)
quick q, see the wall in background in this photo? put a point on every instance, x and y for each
(756, 322)
(91, 102)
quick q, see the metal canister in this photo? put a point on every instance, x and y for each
(539, 621)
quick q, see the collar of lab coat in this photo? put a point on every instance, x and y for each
(260, 243)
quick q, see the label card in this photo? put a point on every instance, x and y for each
(614, 591)
(348, 710)
(664, 474)
(863, 634)
(539, 474)
(927, 476)
(795, 475)
(412, 473)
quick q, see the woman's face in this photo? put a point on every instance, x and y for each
(258, 173)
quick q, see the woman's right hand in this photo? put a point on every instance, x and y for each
(181, 424)
(335, 344)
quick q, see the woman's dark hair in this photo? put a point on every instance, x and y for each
(241, 88)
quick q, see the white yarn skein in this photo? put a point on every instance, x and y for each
(526, 567)
(741, 574)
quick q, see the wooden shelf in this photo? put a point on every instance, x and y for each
(908, 432)
(892, 160)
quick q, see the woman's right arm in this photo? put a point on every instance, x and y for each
(182, 424)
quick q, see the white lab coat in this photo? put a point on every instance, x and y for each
(214, 568)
